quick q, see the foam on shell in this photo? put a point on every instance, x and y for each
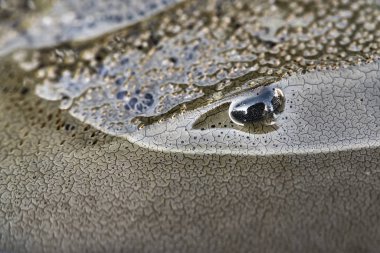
(200, 53)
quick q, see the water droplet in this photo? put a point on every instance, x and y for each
(258, 106)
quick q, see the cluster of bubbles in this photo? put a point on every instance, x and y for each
(199, 52)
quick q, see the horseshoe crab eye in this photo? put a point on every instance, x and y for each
(258, 106)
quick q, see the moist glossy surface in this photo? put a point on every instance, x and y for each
(259, 106)
(124, 143)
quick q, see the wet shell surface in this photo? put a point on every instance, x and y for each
(258, 106)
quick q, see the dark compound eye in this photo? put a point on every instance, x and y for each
(257, 106)
(248, 114)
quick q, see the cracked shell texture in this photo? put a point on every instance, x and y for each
(201, 52)
(67, 187)
(329, 110)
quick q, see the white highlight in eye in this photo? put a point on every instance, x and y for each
(257, 106)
